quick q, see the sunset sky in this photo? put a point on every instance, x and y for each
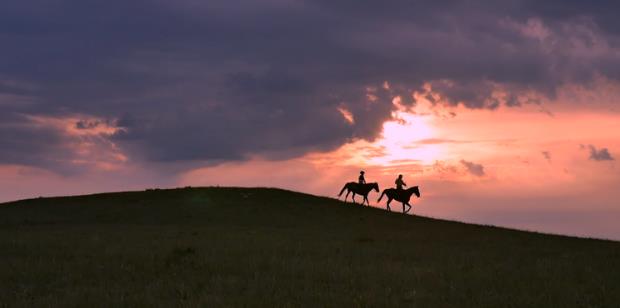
(503, 112)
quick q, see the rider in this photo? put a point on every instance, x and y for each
(399, 182)
(361, 179)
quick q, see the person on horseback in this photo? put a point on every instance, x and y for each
(361, 179)
(399, 182)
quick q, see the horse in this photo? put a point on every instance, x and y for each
(400, 195)
(360, 189)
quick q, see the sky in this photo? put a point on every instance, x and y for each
(502, 112)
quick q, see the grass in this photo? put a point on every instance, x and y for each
(270, 247)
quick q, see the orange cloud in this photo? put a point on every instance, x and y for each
(347, 115)
(87, 139)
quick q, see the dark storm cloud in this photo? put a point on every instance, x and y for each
(85, 124)
(599, 154)
(473, 168)
(221, 80)
(21, 143)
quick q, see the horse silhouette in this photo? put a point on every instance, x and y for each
(400, 195)
(360, 189)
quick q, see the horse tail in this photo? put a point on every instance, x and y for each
(341, 191)
(383, 193)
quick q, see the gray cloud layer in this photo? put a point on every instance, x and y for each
(599, 154)
(221, 80)
(473, 168)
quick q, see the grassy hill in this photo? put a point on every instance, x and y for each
(270, 247)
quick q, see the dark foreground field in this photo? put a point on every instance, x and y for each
(269, 247)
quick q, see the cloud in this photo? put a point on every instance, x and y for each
(599, 154)
(443, 141)
(221, 81)
(346, 115)
(60, 144)
(473, 168)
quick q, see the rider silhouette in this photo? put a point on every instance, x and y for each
(361, 179)
(399, 182)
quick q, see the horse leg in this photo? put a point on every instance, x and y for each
(353, 197)
(409, 205)
(347, 195)
(388, 204)
(366, 199)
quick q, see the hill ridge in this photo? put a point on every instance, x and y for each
(251, 190)
(274, 247)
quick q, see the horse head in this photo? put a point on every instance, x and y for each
(416, 191)
(375, 186)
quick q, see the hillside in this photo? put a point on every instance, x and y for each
(270, 247)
